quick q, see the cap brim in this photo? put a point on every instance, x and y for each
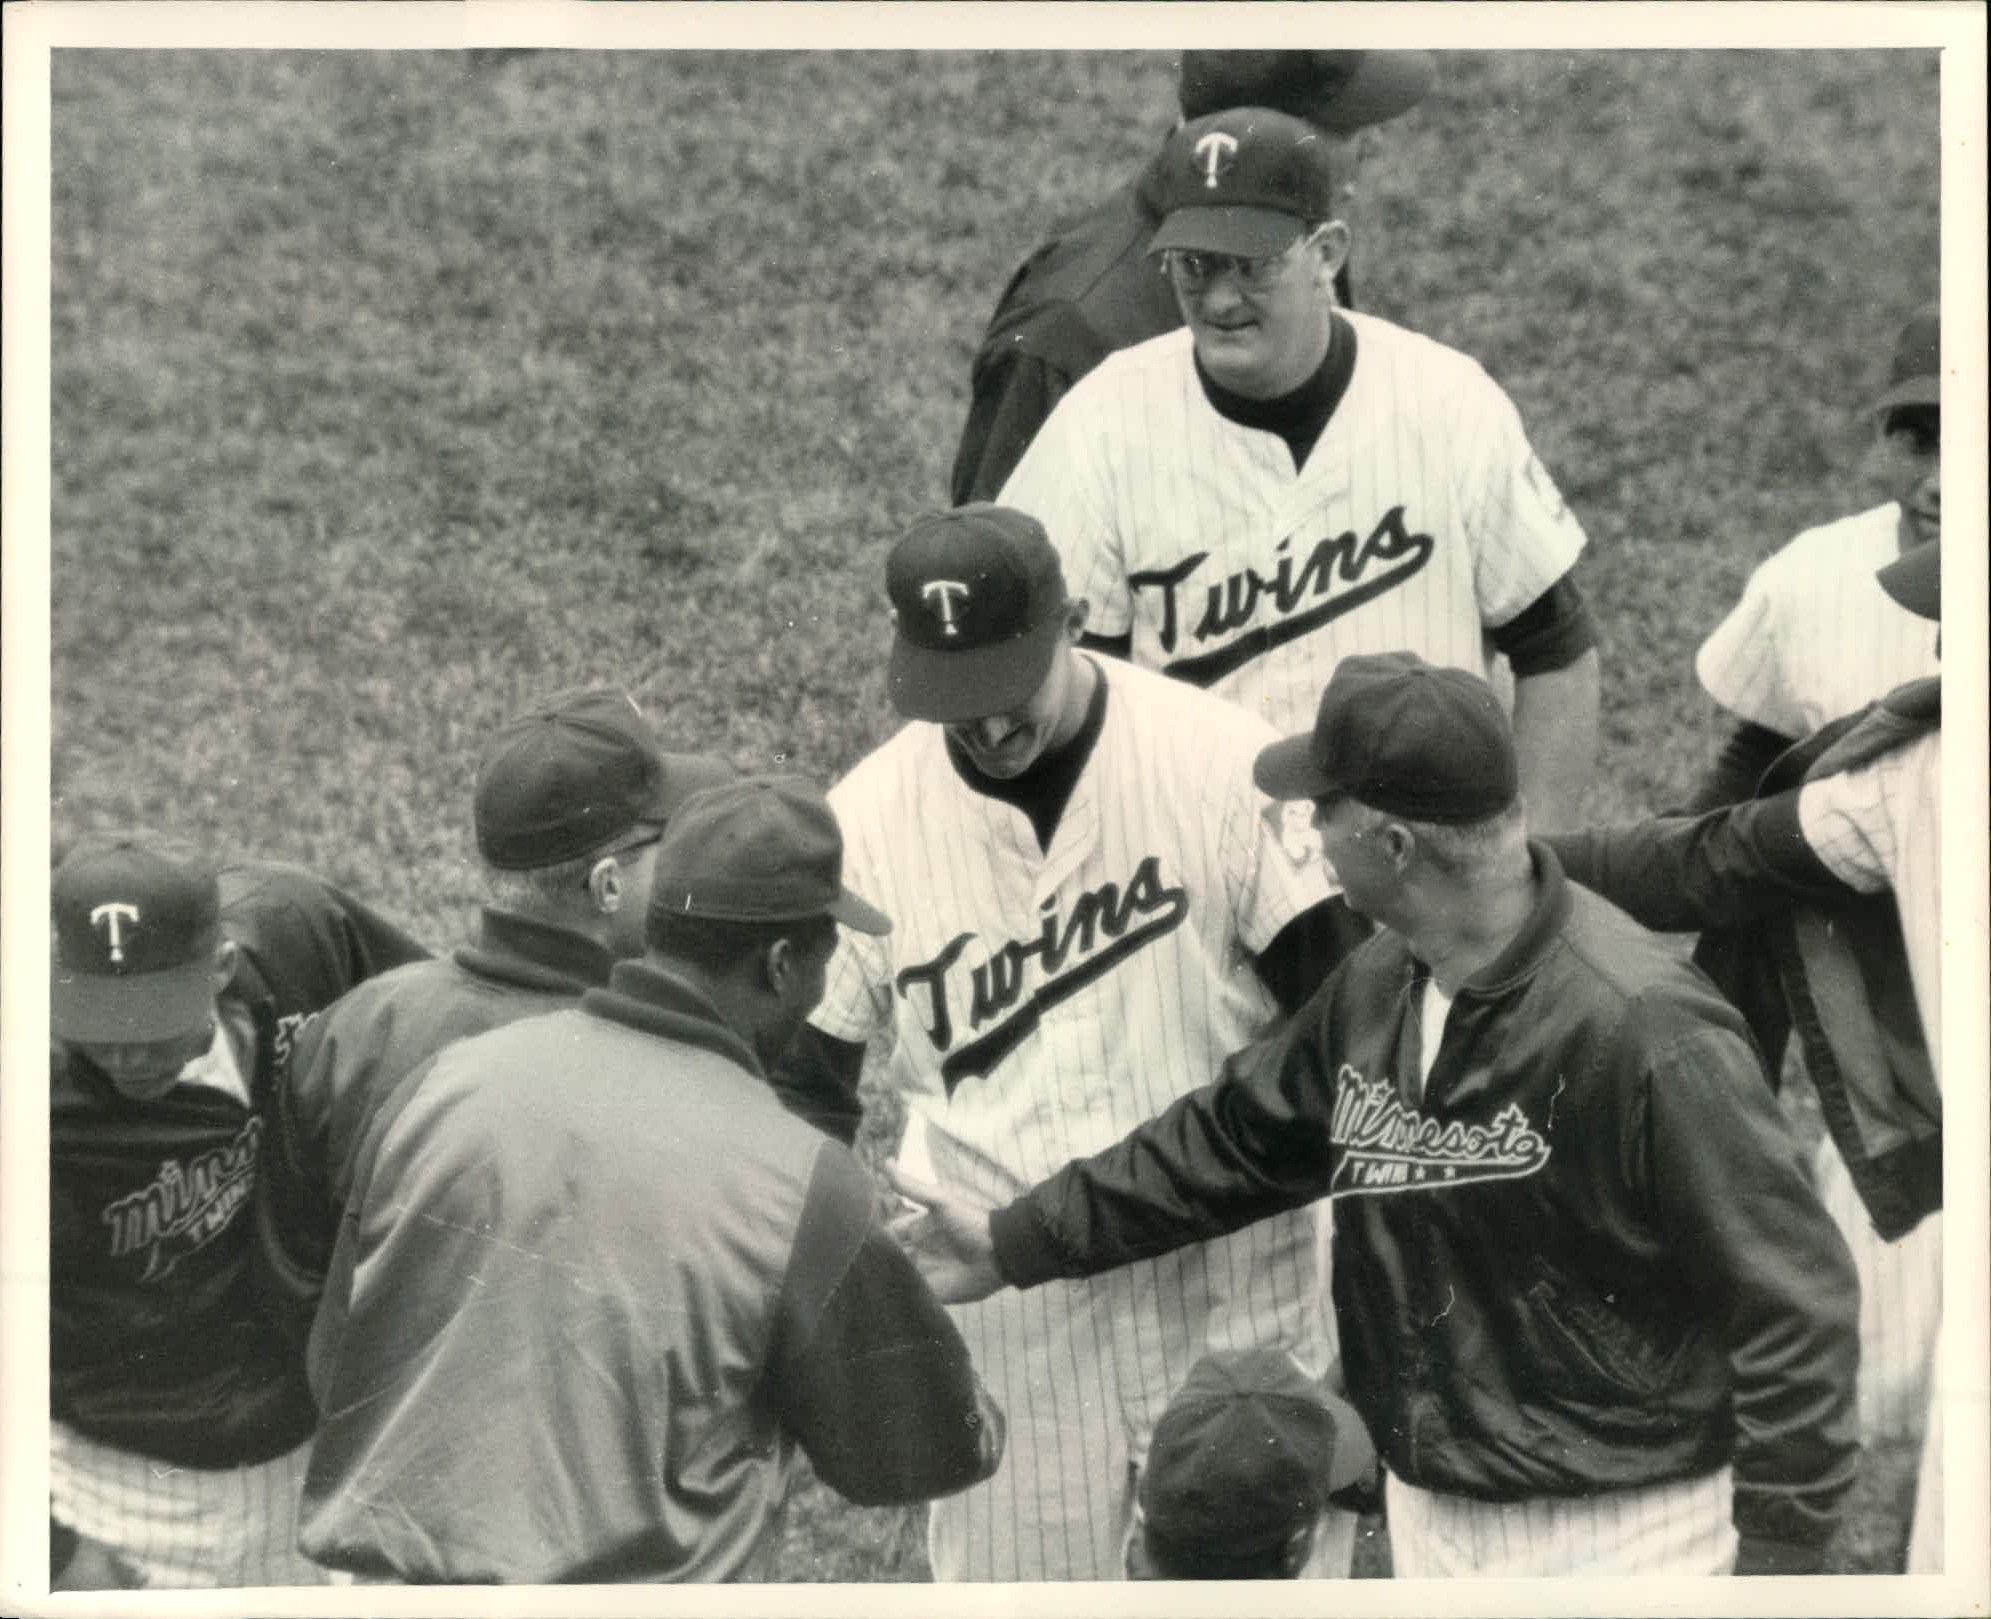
(1246, 233)
(1915, 580)
(1354, 1451)
(953, 687)
(1384, 85)
(853, 912)
(1909, 391)
(1287, 770)
(173, 1004)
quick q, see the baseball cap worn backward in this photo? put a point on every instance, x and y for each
(136, 921)
(1404, 737)
(1341, 91)
(1247, 1452)
(759, 849)
(571, 775)
(1915, 374)
(978, 608)
(1245, 181)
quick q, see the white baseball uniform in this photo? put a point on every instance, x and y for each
(1042, 1003)
(1420, 521)
(1880, 827)
(1814, 638)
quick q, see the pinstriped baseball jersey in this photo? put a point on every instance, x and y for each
(1814, 636)
(1420, 520)
(1040, 1004)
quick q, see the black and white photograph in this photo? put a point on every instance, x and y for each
(1035, 797)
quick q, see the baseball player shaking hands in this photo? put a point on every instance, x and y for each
(1285, 483)
(1092, 911)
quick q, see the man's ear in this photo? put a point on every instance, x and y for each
(223, 973)
(1298, 1548)
(1398, 844)
(1077, 611)
(1336, 240)
(605, 885)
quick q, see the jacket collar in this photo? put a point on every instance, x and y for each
(522, 950)
(642, 995)
(1539, 935)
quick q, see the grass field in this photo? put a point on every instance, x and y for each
(390, 391)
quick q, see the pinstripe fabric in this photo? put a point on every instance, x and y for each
(1814, 636)
(1164, 854)
(1678, 1528)
(1421, 518)
(184, 1526)
(1901, 1293)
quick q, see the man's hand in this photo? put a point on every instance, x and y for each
(947, 1238)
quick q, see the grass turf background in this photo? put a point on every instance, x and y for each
(393, 390)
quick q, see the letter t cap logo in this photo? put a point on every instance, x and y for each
(944, 594)
(1214, 153)
(107, 917)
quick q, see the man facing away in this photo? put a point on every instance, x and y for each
(596, 1288)
(571, 798)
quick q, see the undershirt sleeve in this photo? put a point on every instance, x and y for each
(1551, 633)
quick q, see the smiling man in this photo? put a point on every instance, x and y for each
(1092, 909)
(1287, 482)
(179, 1412)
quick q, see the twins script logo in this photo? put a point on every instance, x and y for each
(183, 1209)
(943, 593)
(1388, 1146)
(1104, 926)
(1215, 153)
(1341, 573)
(108, 917)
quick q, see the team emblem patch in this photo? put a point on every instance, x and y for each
(1388, 1146)
(944, 594)
(1215, 153)
(107, 918)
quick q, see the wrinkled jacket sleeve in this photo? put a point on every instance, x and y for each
(1253, 1144)
(1681, 874)
(1733, 1200)
(1014, 393)
(867, 1371)
(306, 941)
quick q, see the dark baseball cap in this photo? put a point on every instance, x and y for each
(1341, 91)
(1915, 374)
(575, 773)
(1403, 737)
(978, 605)
(760, 849)
(1248, 1452)
(1915, 579)
(1245, 181)
(137, 920)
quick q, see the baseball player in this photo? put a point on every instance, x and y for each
(1092, 289)
(1590, 1309)
(1815, 637)
(179, 1413)
(1082, 876)
(571, 798)
(1832, 876)
(1285, 483)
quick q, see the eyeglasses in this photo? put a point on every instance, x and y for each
(1194, 270)
(639, 839)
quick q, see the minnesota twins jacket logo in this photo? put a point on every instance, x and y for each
(1105, 926)
(1388, 1146)
(181, 1210)
(1340, 574)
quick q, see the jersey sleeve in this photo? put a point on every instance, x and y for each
(1272, 869)
(856, 1001)
(1853, 820)
(306, 941)
(1523, 536)
(1062, 482)
(1741, 664)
